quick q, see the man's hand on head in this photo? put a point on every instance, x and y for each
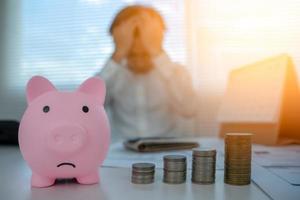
(123, 37)
(151, 35)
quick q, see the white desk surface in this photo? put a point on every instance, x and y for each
(115, 184)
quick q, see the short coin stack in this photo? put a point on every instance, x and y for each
(237, 163)
(143, 173)
(174, 169)
(204, 166)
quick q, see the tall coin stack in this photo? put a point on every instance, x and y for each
(204, 166)
(174, 169)
(237, 163)
(143, 173)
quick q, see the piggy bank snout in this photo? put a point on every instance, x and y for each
(67, 138)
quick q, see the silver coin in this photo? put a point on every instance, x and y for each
(202, 152)
(175, 169)
(204, 172)
(203, 167)
(175, 158)
(196, 177)
(174, 174)
(200, 164)
(138, 181)
(174, 166)
(174, 178)
(204, 157)
(143, 166)
(178, 163)
(203, 182)
(209, 174)
(174, 181)
(168, 176)
(203, 161)
(142, 175)
(208, 164)
(203, 179)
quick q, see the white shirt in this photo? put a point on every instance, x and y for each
(149, 104)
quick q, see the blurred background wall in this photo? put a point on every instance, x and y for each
(226, 34)
(68, 41)
(12, 101)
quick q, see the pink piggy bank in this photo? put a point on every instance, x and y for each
(64, 134)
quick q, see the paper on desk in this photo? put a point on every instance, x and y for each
(276, 187)
(282, 156)
(289, 174)
(282, 161)
(119, 156)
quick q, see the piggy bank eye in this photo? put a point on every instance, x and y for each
(46, 109)
(85, 109)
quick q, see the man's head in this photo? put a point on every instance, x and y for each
(138, 32)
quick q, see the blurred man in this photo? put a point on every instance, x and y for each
(147, 93)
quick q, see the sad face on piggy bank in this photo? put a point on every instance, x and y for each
(64, 134)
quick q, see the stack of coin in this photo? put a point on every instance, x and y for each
(143, 173)
(204, 166)
(174, 169)
(237, 163)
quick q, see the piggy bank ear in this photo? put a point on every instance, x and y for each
(37, 86)
(95, 87)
